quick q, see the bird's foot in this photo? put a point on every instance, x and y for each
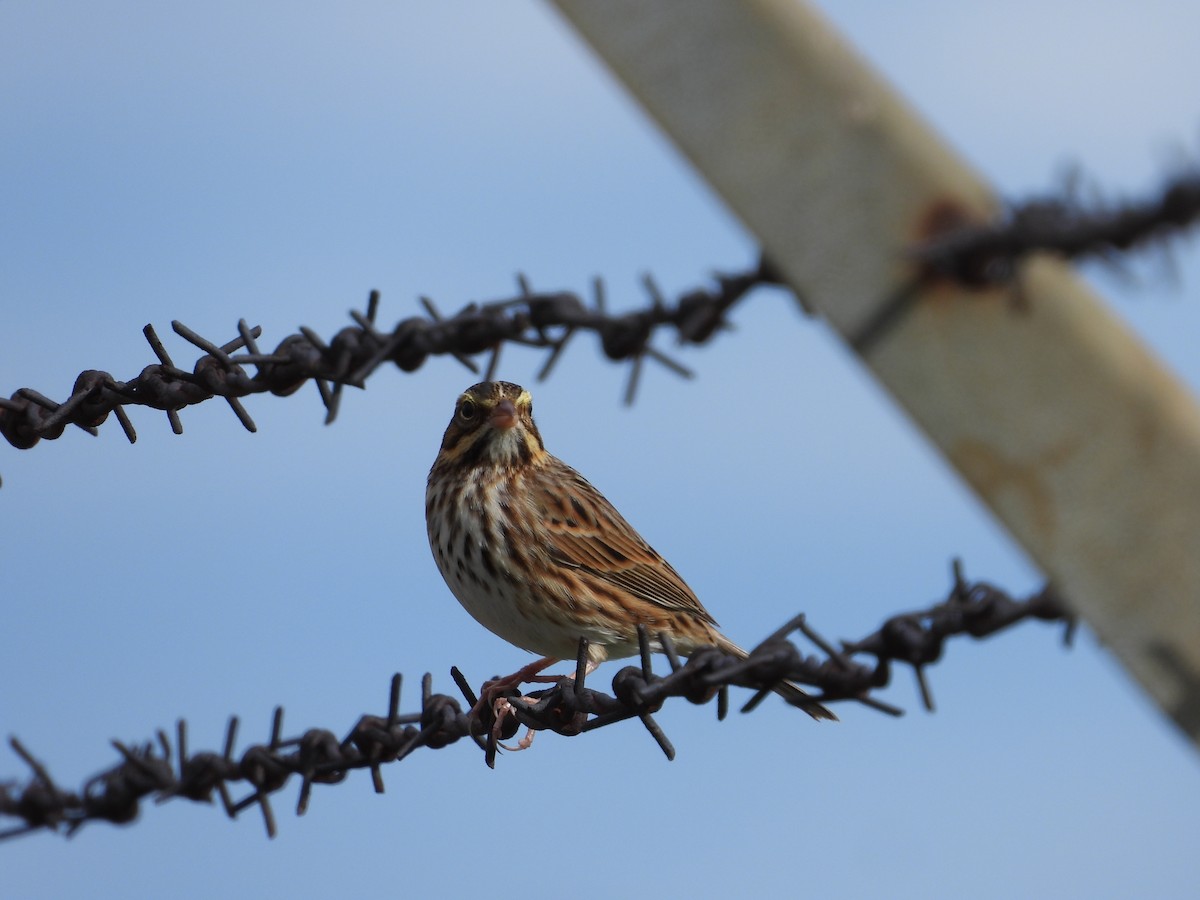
(502, 709)
(495, 690)
(493, 697)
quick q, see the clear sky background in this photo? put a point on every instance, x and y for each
(276, 161)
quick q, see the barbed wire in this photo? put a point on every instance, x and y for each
(1069, 225)
(971, 253)
(164, 771)
(978, 255)
(538, 319)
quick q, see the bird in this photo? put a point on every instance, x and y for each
(541, 558)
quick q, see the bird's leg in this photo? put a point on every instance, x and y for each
(494, 690)
(503, 707)
(492, 695)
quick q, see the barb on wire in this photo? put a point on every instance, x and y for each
(983, 254)
(532, 318)
(318, 756)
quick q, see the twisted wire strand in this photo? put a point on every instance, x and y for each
(976, 255)
(164, 771)
(537, 319)
(980, 254)
(971, 253)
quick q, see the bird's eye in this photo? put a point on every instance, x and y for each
(467, 410)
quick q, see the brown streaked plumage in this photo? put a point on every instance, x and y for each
(540, 557)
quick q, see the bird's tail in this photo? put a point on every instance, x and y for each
(792, 693)
(796, 697)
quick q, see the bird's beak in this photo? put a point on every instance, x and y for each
(504, 415)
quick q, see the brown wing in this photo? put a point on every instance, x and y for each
(585, 532)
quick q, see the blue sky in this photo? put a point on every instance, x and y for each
(276, 162)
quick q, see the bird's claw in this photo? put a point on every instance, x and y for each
(502, 709)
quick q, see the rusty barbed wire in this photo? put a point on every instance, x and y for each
(983, 254)
(158, 769)
(532, 318)
(971, 253)
(978, 254)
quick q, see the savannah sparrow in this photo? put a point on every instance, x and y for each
(538, 556)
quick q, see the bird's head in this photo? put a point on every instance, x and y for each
(492, 425)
